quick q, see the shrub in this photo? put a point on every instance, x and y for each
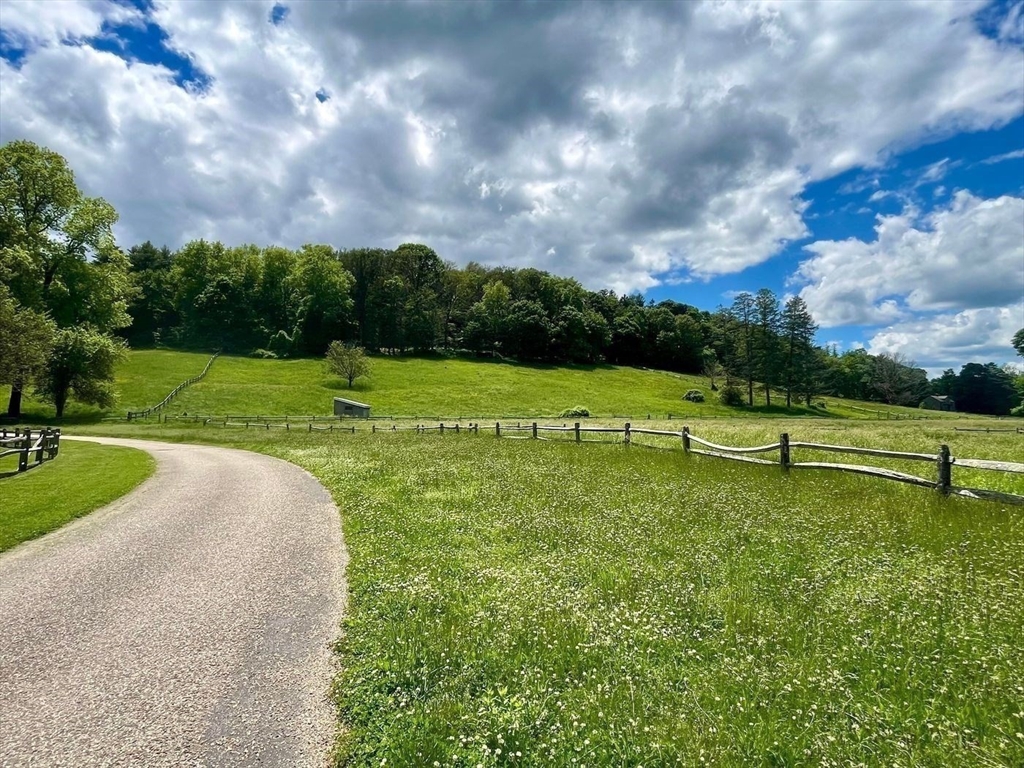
(263, 354)
(579, 412)
(280, 344)
(731, 396)
(1018, 411)
(694, 396)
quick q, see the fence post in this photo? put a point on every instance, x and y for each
(441, 430)
(784, 450)
(577, 428)
(686, 439)
(535, 430)
(373, 428)
(497, 429)
(625, 435)
(23, 456)
(457, 425)
(945, 469)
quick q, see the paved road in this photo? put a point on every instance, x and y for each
(187, 624)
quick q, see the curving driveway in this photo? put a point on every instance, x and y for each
(188, 623)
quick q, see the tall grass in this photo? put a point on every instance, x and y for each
(529, 603)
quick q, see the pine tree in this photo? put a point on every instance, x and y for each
(766, 309)
(798, 329)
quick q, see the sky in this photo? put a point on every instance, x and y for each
(866, 156)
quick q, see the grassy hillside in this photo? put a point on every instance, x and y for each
(459, 387)
(426, 388)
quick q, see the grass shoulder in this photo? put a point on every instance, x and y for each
(83, 478)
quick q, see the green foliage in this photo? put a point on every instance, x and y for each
(897, 379)
(347, 361)
(57, 250)
(1018, 411)
(1018, 342)
(83, 477)
(985, 389)
(731, 396)
(577, 412)
(263, 354)
(321, 287)
(26, 339)
(694, 396)
(280, 344)
(81, 365)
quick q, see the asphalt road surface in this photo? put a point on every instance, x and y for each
(189, 623)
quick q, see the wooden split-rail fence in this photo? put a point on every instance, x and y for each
(942, 461)
(32, 447)
(173, 393)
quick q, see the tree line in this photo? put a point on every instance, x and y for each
(71, 301)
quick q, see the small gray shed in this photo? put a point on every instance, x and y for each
(343, 407)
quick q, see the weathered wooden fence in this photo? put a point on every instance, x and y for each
(173, 393)
(1018, 430)
(32, 447)
(942, 461)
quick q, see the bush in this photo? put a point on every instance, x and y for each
(280, 344)
(1018, 411)
(579, 412)
(263, 354)
(731, 396)
(694, 396)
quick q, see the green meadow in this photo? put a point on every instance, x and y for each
(518, 602)
(430, 387)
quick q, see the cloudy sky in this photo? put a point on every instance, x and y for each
(869, 156)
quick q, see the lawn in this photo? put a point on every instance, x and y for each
(426, 388)
(438, 387)
(83, 477)
(543, 603)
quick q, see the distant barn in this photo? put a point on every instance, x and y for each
(343, 407)
(939, 403)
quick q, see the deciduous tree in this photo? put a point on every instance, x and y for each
(347, 361)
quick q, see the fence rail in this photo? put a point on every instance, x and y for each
(32, 447)
(173, 393)
(943, 461)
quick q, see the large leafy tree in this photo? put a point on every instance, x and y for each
(26, 338)
(81, 364)
(58, 256)
(322, 289)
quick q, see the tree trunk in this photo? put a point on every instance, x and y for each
(750, 392)
(60, 400)
(14, 404)
(767, 395)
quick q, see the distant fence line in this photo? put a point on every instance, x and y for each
(173, 393)
(943, 461)
(822, 418)
(43, 445)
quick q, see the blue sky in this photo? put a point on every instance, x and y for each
(868, 156)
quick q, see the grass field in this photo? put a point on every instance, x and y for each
(83, 477)
(597, 605)
(423, 387)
